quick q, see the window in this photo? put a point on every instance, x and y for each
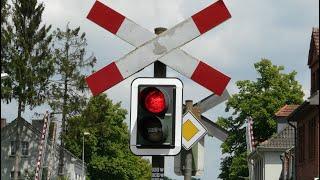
(258, 169)
(314, 81)
(78, 176)
(25, 148)
(12, 174)
(13, 148)
(301, 143)
(317, 80)
(311, 138)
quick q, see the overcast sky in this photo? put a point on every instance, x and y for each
(272, 29)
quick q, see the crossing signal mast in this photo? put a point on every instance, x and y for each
(156, 110)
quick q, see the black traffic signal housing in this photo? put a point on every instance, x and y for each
(156, 110)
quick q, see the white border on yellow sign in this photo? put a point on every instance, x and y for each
(202, 130)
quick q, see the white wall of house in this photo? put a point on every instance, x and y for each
(273, 165)
(27, 162)
(73, 166)
(267, 165)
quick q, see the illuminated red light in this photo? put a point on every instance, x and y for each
(154, 101)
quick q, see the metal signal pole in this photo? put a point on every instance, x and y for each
(160, 71)
(187, 170)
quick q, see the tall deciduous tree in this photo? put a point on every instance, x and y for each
(107, 151)
(27, 59)
(68, 84)
(259, 100)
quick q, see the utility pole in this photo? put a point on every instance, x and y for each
(17, 146)
(160, 71)
(83, 171)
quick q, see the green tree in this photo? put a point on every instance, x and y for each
(27, 58)
(68, 84)
(107, 151)
(259, 100)
(4, 11)
(5, 33)
(5, 39)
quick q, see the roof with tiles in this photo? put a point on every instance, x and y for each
(314, 45)
(282, 140)
(286, 110)
(315, 37)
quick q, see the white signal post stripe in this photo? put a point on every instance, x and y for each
(163, 47)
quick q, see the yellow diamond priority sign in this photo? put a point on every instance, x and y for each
(192, 130)
(189, 130)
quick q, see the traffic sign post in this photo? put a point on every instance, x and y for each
(213, 130)
(197, 160)
(187, 171)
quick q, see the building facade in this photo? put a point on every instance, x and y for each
(307, 118)
(265, 160)
(29, 138)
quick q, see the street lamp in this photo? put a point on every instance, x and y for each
(84, 134)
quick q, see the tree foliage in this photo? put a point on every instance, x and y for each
(259, 100)
(71, 61)
(27, 57)
(4, 11)
(107, 151)
(5, 34)
(68, 84)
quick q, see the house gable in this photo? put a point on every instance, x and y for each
(314, 47)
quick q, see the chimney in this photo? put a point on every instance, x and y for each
(38, 124)
(3, 122)
(53, 131)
